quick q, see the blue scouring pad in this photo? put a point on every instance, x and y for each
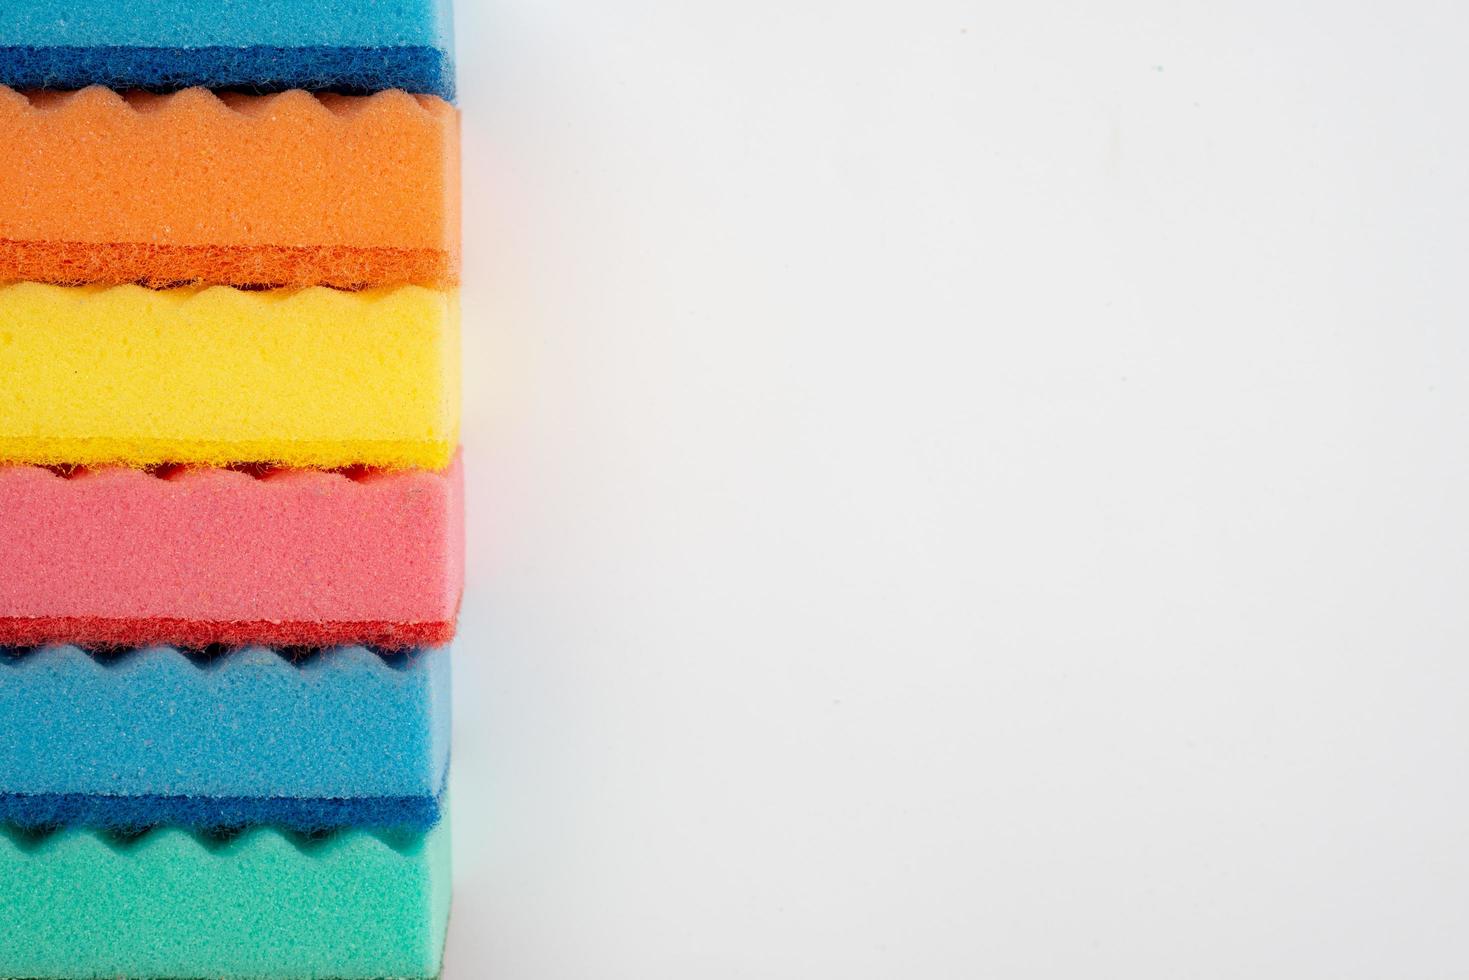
(260, 45)
(343, 737)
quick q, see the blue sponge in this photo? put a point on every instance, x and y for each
(342, 737)
(261, 45)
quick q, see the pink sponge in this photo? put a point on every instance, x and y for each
(191, 557)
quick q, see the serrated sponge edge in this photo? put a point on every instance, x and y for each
(285, 189)
(117, 556)
(342, 724)
(312, 378)
(259, 906)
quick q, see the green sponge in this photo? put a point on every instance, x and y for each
(260, 904)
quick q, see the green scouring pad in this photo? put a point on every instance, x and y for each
(259, 904)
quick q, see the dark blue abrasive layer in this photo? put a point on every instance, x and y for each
(412, 813)
(258, 68)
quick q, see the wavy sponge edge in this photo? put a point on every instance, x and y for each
(277, 190)
(343, 736)
(193, 557)
(260, 905)
(314, 378)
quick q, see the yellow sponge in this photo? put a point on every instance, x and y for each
(312, 377)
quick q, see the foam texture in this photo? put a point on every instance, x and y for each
(339, 737)
(192, 557)
(231, 23)
(313, 377)
(299, 814)
(261, 45)
(258, 69)
(291, 189)
(260, 905)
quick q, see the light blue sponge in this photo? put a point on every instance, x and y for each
(231, 23)
(265, 45)
(343, 737)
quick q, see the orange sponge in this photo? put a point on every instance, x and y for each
(278, 190)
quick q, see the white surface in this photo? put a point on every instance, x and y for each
(964, 490)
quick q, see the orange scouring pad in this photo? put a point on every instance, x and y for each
(291, 189)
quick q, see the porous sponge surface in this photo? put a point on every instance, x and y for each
(302, 814)
(335, 725)
(201, 556)
(259, 68)
(191, 24)
(258, 906)
(287, 189)
(313, 378)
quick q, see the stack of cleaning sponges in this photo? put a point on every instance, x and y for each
(231, 515)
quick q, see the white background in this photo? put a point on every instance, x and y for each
(964, 490)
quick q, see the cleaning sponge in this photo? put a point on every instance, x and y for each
(260, 44)
(339, 737)
(290, 189)
(314, 377)
(261, 905)
(122, 557)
